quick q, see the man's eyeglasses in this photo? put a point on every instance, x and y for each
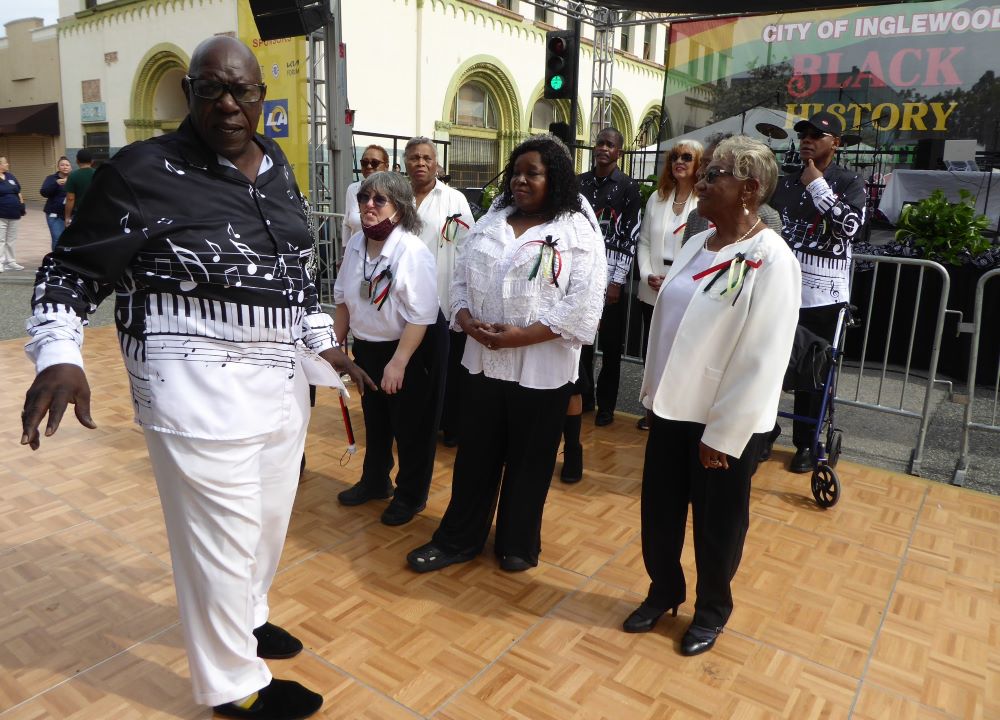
(213, 90)
(371, 163)
(713, 174)
(379, 200)
(812, 135)
(683, 157)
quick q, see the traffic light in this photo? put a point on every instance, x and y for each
(560, 64)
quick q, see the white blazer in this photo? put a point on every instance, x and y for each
(728, 359)
(660, 236)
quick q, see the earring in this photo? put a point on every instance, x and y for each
(746, 211)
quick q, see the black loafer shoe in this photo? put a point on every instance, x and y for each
(802, 461)
(361, 493)
(280, 700)
(643, 423)
(275, 643)
(698, 639)
(513, 563)
(430, 557)
(572, 467)
(604, 417)
(644, 618)
(399, 513)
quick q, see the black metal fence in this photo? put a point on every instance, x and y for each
(474, 161)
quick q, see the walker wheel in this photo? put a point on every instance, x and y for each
(825, 486)
(833, 446)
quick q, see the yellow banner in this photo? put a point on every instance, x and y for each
(285, 118)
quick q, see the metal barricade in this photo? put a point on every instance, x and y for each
(876, 397)
(992, 424)
(326, 253)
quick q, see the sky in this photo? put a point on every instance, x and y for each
(48, 10)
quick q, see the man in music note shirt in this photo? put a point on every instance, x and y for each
(822, 209)
(202, 236)
(616, 201)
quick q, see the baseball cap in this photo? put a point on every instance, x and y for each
(824, 122)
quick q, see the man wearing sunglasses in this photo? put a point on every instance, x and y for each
(202, 237)
(822, 209)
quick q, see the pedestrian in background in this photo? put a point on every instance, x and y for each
(11, 210)
(54, 192)
(77, 184)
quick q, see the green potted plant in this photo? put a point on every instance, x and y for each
(944, 231)
(950, 233)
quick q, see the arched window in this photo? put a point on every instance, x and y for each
(474, 107)
(649, 130)
(545, 112)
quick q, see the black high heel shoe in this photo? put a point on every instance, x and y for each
(699, 639)
(644, 618)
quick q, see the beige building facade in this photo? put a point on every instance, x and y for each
(30, 102)
(468, 72)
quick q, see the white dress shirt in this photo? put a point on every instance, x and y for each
(492, 283)
(441, 203)
(412, 294)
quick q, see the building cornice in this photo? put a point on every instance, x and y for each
(122, 9)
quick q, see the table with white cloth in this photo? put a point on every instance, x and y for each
(906, 186)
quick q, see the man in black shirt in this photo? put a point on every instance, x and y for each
(616, 201)
(202, 237)
(822, 209)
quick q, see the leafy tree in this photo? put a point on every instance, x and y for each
(761, 84)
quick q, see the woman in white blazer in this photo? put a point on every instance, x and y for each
(662, 228)
(721, 336)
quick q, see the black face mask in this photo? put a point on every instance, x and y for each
(380, 230)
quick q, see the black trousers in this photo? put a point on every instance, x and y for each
(610, 339)
(672, 477)
(410, 417)
(451, 416)
(647, 319)
(821, 320)
(507, 447)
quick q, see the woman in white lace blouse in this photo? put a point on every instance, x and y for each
(529, 290)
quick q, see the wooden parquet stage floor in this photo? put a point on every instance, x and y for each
(886, 607)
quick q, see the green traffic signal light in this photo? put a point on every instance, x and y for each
(556, 82)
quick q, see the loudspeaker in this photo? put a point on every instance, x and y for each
(929, 154)
(276, 19)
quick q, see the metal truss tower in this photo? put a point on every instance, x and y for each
(604, 64)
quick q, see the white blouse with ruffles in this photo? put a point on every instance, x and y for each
(493, 281)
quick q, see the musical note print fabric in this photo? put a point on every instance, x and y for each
(209, 273)
(616, 202)
(820, 224)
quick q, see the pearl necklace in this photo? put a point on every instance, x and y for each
(741, 239)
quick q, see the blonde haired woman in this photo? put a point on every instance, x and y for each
(662, 228)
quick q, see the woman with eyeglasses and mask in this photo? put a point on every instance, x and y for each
(720, 339)
(386, 295)
(374, 159)
(662, 229)
(528, 292)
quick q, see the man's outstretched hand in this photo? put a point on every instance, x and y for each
(54, 388)
(343, 364)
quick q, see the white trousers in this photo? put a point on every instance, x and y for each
(8, 239)
(227, 506)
